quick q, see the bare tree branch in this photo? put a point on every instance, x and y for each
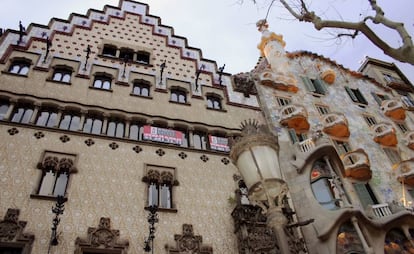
(404, 53)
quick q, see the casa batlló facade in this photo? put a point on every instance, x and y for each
(138, 144)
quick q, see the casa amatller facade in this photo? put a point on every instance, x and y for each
(118, 137)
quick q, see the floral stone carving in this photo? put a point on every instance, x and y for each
(188, 243)
(11, 231)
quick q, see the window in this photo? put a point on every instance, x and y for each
(402, 126)
(323, 110)
(214, 102)
(316, 86)
(219, 143)
(126, 53)
(62, 74)
(20, 66)
(297, 137)
(136, 131)
(102, 82)
(109, 50)
(4, 107)
(356, 95)
(47, 117)
(143, 57)
(11, 250)
(370, 120)
(160, 182)
(178, 95)
(70, 121)
(392, 155)
(56, 169)
(115, 129)
(342, 147)
(323, 186)
(141, 88)
(408, 101)
(22, 114)
(200, 140)
(92, 125)
(365, 194)
(380, 97)
(282, 101)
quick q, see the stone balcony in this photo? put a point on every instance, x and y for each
(409, 138)
(405, 172)
(294, 116)
(393, 109)
(335, 124)
(357, 165)
(384, 134)
(279, 81)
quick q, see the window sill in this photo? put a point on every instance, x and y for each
(180, 103)
(59, 82)
(216, 109)
(43, 197)
(15, 74)
(166, 210)
(141, 96)
(100, 89)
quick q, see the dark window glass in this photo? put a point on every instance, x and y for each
(314, 85)
(356, 95)
(10, 250)
(109, 50)
(143, 57)
(125, 53)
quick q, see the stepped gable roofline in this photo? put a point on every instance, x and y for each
(34, 31)
(356, 74)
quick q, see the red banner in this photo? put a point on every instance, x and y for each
(219, 143)
(163, 135)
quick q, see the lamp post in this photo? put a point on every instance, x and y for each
(152, 219)
(58, 210)
(255, 154)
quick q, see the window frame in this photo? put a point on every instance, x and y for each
(214, 102)
(93, 118)
(4, 108)
(25, 109)
(51, 119)
(63, 71)
(72, 115)
(315, 85)
(143, 57)
(392, 154)
(322, 109)
(356, 96)
(21, 63)
(141, 84)
(283, 101)
(178, 92)
(370, 120)
(102, 77)
(107, 47)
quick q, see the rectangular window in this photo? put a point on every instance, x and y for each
(297, 137)
(408, 101)
(380, 97)
(56, 170)
(370, 120)
(392, 155)
(283, 101)
(356, 95)
(315, 85)
(365, 194)
(4, 107)
(160, 181)
(323, 110)
(219, 143)
(46, 118)
(342, 147)
(22, 114)
(403, 127)
(92, 125)
(163, 135)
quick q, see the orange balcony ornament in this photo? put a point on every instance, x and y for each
(393, 109)
(280, 81)
(357, 165)
(328, 76)
(294, 116)
(409, 138)
(335, 124)
(385, 134)
(405, 172)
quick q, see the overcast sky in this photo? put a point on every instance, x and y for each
(225, 30)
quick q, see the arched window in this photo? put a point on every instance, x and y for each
(178, 95)
(62, 74)
(20, 66)
(47, 117)
(214, 102)
(323, 186)
(396, 242)
(4, 107)
(136, 130)
(22, 114)
(70, 121)
(200, 140)
(141, 88)
(116, 128)
(347, 240)
(102, 81)
(93, 124)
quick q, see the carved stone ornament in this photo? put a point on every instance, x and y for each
(11, 232)
(102, 237)
(244, 83)
(188, 243)
(58, 162)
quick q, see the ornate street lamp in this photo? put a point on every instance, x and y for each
(152, 219)
(58, 210)
(256, 156)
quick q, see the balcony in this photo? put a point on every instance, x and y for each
(409, 138)
(328, 76)
(384, 134)
(405, 172)
(335, 124)
(393, 109)
(279, 81)
(408, 102)
(294, 116)
(379, 210)
(357, 166)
